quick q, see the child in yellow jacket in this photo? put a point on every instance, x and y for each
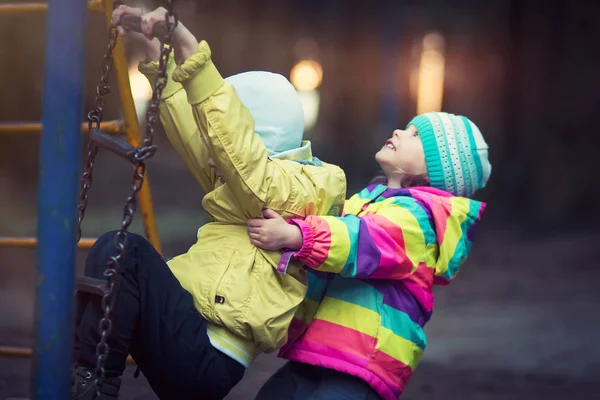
(195, 323)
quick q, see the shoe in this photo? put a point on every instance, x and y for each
(83, 388)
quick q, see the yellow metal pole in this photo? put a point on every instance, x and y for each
(13, 128)
(133, 132)
(25, 8)
(13, 351)
(31, 242)
(16, 351)
(22, 8)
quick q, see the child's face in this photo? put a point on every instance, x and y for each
(403, 154)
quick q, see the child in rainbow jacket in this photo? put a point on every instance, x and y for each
(359, 332)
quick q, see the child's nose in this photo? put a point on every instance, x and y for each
(397, 133)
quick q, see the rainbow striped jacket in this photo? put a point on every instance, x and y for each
(370, 279)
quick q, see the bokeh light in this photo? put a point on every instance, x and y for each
(307, 75)
(430, 77)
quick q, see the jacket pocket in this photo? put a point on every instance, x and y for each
(233, 293)
(199, 271)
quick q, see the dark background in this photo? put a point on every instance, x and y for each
(521, 322)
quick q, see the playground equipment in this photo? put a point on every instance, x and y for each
(58, 228)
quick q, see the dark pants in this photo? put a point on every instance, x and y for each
(297, 381)
(154, 320)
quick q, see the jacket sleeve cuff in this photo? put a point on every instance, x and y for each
(304, 252)
(150, 70)
(308, 239)
(198, 75)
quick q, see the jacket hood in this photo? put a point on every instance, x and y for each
(454, 220)
(275, 106)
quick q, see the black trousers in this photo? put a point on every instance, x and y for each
(154, 320)
(297, 381)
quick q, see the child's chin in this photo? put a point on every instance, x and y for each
(380, 156)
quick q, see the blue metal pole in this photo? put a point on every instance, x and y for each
(60, 159)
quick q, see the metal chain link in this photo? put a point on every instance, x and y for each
(145, 151)
(95, 118)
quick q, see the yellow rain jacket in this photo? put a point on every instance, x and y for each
(235, 285)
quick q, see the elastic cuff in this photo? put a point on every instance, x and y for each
(304, 252)
(307, 238)
(150, 70)
(198, 75)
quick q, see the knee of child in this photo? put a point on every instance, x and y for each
(103, 249)
(102, 244)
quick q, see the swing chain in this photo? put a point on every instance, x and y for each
(86, 184)
(152, 113)
(95, 117)
(144, 152)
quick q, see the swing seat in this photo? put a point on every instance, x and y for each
(89, 285)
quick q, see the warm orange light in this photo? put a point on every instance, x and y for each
(141, 91)
(307, 75)
(311, 102)
(430, 81)
(140, 87)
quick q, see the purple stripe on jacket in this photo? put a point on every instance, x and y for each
(369, 256)
(398, 297)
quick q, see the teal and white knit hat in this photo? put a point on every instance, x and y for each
(455, 152)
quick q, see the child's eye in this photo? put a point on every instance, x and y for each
(416, 134)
